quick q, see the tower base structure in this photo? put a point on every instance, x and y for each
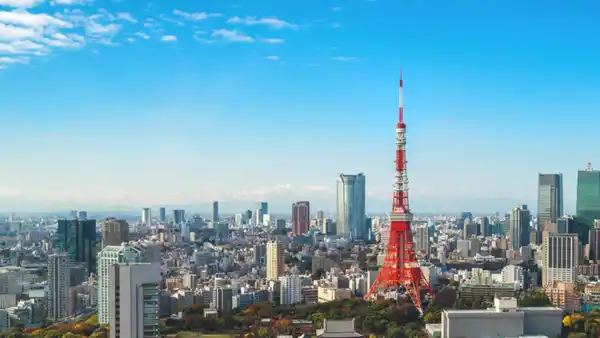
(401, 270)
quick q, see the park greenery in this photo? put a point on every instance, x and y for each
(382, 318)
(582, 325)
(87, 328)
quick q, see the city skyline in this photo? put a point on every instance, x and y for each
(136, 123)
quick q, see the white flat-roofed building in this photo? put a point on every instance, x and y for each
(505, 319)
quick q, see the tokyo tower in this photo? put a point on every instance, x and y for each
(400, 269)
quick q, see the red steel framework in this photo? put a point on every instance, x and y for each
(401, 270)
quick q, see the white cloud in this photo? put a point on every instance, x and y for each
(345, 58)
(316, 188)
(273, 41)
(20, 3)
(131, 39)
(69, 2)
(12, 33)
(272, 58)
(232, 36)
(22, 47)
(62, 40)
(270, 22)
(127, 17)
(169, 38)
(38, 21)
(142, 35)
(97, 28)
(7, 59)
(195, 16)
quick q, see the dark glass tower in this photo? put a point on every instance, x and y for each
(588, 196)
(78, 239)
(550, 198)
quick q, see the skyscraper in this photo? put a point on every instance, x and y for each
(147, 217)
(421, 239)
(114, 231)
(109, 256)
(215, 211)
(300, 217)
(77, 238)
(162, 214)
(520, 227)
(588, 196)
(550, 200)
(82, 215)
(264, 208)
(58, 286)
(561, 258)
(134, 300)
(178, 216)
(275, 260)
(351, 205)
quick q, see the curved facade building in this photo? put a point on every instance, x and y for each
(351, 205)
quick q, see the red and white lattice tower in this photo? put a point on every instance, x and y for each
(401, 270)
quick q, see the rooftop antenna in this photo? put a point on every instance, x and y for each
(589, 166)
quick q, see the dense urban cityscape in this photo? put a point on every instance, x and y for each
(349, 274)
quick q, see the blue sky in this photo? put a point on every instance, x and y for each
(113, 103)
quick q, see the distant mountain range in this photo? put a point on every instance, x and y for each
(278, 205)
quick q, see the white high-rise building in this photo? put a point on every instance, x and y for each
(147, 217)
(561, 258)
(259, 217)
(290, 289)
(351, 207)
(513, 274)
(134, 300)
(58, 286)
(275, 260)
(110, 255)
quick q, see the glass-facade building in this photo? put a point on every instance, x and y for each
(77, 238)
(520, 227)
(351, 207)
(550, 198)
(588, 197)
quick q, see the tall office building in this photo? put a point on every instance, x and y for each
(421, 239)
(259, 217)
(275, 260)
(290, 290)
(134, 300)
(565, 224)
(147, 217)
(550, 200)
(300, 218)
(351, 205)
(58, 286)
(109, 256)
(78, 239)
(264, 208)
(561, 258)
(215, 211)
(485, 227)
(162, 214)
(178, 216)
(82, 215)
(588, 196)
(594, 242)
(114, 231)
(520, 227)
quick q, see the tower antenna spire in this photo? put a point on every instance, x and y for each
(589, 166)
(401, 269)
